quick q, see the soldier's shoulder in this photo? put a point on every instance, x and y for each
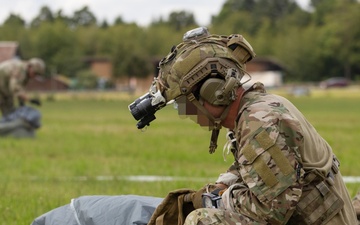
(258, 99)
(11, 64)
(14, 61)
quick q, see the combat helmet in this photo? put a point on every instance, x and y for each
(37, 65)
(202, 56)
(205, 66)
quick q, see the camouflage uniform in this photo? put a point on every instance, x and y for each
(277, 148)
(281, 162)
(356, 203)
(12, 81)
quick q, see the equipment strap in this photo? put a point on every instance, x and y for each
(260, 166)
(269, 145)
(281, 161)
(216, 121)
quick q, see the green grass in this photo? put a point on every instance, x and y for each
(96, 136)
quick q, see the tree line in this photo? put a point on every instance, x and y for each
(313, 44)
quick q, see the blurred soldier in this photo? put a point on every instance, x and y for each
(14, 75)
(284, 172)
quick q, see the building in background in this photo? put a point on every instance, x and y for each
(9, 50)
(268, 71)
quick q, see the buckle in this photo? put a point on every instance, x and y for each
(335, 165)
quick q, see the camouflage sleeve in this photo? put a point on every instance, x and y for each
(13, 76)
(268, 138)
(15, 86)
(231, 176)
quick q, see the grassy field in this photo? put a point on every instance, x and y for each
(89, 142)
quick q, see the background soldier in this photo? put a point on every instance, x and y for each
(284, 172)
(14, 75)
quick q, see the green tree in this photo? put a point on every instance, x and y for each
(119, 20)
(57, 45)
(13, 29)
(340, 47)
(136, 65)
(14, 20)
(86, 79)
(160, 38)
(125, 43)
(88, 40)
(83, 17)
(250, 15)
(60, 17)
(274, 10)
(312, 44)
(104, 24)
(45, 15)
(181, 19)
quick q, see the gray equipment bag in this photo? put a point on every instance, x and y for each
(21, 123)
(102, 210)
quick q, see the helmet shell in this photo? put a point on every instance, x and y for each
(192, 61)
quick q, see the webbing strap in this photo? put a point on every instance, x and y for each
(329, 202)
(264, 140)
(312, 200)
(249, 153)
(304, 202)
(216, 121)
(265, 172)
(276, 154)
(194, 101)
(260, 167)
(281, 161)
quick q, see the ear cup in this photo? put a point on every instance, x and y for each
(211, 91)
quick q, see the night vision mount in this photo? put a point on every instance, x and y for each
(144, 108)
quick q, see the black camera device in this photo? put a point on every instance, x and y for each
(143, 109)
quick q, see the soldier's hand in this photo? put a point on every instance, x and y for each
(196, 197)
(35, 101)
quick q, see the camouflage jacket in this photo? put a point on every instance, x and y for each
(12, 77)
(275, 147)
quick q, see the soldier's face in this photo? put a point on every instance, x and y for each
(186, 109)
(214, 110)
(30, 72)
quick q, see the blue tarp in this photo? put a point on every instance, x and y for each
(102, 210)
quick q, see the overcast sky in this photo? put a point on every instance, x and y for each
(140, 11)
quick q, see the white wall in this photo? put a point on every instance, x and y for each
(268, 78)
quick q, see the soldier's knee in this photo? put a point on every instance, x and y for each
(192, 218)
(203, 216)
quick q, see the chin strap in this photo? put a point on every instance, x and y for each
(213, 141)
(215, 132)
(216, 121)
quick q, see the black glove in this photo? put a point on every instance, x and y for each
(35, 101)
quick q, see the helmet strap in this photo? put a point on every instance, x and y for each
(216, 121)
